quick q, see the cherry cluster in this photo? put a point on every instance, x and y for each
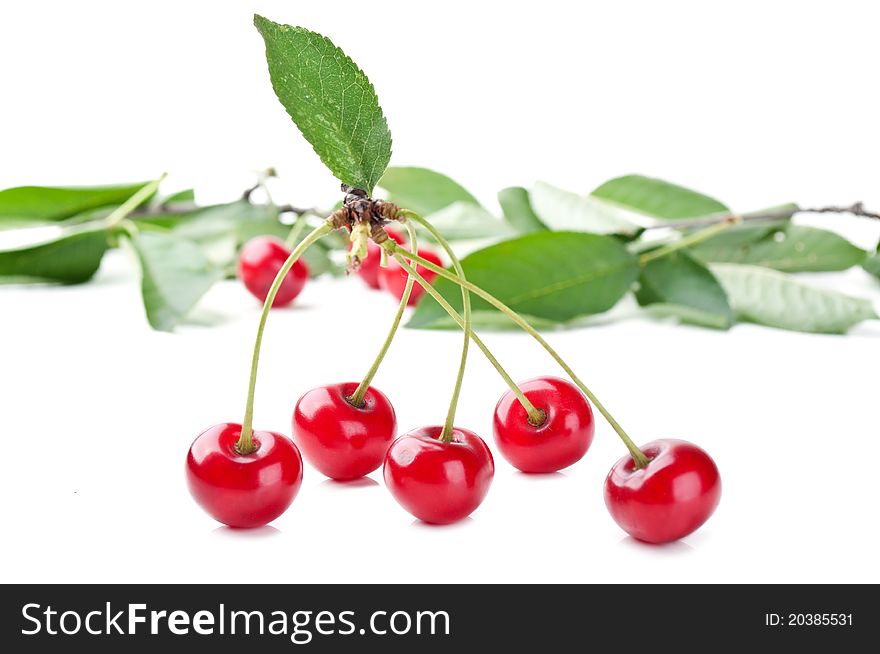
(243, 478)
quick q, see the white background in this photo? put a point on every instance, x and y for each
(757, 103)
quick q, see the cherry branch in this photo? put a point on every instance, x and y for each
(784, 212)
(176, 208)
(856, 209)
(300, 211)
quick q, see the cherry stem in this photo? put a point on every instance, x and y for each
(536, 416)
(137, 198)
(357, 398)
(690, 240)
(638, 456)
(293, 235)
(449, 425)
(245, 443)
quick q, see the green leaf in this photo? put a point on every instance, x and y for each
(462, 221)
(186, 196)
(175, 274)
(789, 248)
(240, 218)
(769, 297)
(319, 256)
(450, 207)
(679, 285)
(517, 209)
(331, 101)
(25, 205)
(656, 198)
(562, 210)
(222, 229)
(422, 190)
(70, 259)
(738, 236)
(872, 264)
(552, 276)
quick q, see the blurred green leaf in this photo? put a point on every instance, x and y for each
(27, 205)
(240, 219)
(562, 210)
(222, 229)
(657, 198)
(786, 247)
(517, 209)
(175, 274)
(462, 221)
(180, 197)
(769, 297)
(423, 190)
(70, 259)
(319, 257)
(681, 286)
(872, 264)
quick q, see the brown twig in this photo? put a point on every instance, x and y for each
(164, 210)
(856, 209)
(784, 212)
(299, 211)
(261, 183)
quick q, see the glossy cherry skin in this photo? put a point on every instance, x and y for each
(439, 482)
(339, 439)
(369, 270)
(558, 442)
(243, 490)
(393, 277)
(669, 498)
(259, 262)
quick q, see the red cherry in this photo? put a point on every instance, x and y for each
(339, 439)
(558, 442)
(669, 498)
(259, 262)
(243, 490)
(393, 278)
(369, 270)
(439, 482)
